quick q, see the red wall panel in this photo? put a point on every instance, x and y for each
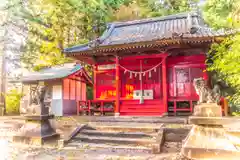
(78, 91)
(66, 89)
(84, 89)
(72, 90)
(181, 72)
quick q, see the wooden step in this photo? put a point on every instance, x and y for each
(117, 134)
(146, 114)
(144, 110)
(146, 102)
(141, 107)
(115, 140)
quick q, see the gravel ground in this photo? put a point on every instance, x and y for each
(10, 151)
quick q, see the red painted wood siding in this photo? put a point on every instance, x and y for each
(66, 89)
(181, 72)
(84, 89)
(72, 90)
(79, 91)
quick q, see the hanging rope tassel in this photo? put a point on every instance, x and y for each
(141, 83)
(150, 74)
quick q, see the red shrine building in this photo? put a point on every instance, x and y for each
(146, 67)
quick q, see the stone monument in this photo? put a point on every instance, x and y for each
(37, 127)
(207, 138)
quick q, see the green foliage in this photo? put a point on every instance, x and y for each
(54, 25)
(224, 57)
(152, 8)
(167, 7)
(89, 92)
(236, 114)
(218, 13)
(13, 98)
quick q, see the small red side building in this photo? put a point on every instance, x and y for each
(146, 67)
(66, 87)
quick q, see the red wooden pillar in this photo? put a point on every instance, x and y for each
(191, 106)
(117, 104)
(78, 107)
(95, 82)
(164, 82)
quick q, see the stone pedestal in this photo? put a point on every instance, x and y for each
(207, 110)
(37, 127)
(208, 139)
(36, 130)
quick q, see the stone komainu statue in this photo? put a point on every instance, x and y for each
(36, 101)
(206, 95)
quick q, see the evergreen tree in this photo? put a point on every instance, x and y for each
(225, 57)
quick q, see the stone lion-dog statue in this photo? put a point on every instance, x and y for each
(206, 95)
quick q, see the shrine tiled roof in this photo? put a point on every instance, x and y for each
(184, 27)
(55, 72)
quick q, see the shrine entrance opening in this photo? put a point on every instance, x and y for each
(141, 86)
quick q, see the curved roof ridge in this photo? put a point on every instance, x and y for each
(154, 19)
(188, 25)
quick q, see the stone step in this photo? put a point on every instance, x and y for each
(117, 134)
(175, 134)
(109, 147)
(171, 147)
(130, 127)
(132, 119)
(114, 140)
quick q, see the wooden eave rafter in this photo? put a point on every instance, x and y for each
(111, 49)
(82, 73)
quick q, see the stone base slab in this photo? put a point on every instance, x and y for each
(213, 120)
(209, 143)
(208, 110)
(210, 154)
(34, 140)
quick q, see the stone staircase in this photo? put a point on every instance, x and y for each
(123, 135)
(119, 136)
